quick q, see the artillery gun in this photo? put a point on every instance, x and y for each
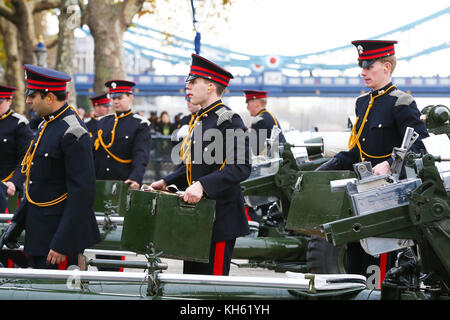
(417, 211)
(288, 197)
(409, 216)
(275, 182)
(422, 271)
(437, 118)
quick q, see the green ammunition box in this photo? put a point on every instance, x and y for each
(110, 195)
(314, 204)
(177, 229)
(12, 203)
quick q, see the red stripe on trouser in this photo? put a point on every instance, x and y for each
(246, 213)
(121, 258)
(218, 258)
(6, 212)
(383, 262)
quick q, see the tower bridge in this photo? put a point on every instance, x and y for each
(277, 84)
(326, 73)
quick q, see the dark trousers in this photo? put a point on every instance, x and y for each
(219, 260)
(3, 200)
(358, 260)
(40, 262)
(13, 258)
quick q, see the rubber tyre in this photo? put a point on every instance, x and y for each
(324, 258)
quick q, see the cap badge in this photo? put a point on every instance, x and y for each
(360, 49)
(113, 85)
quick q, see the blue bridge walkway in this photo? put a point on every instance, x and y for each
(277, 84)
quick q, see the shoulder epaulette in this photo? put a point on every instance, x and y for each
(141, 118)
(21, 118)
(257, 119)
(75, 127)
(403, 99)
(223, 115)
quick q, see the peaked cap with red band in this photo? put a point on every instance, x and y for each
(370, 51)
(119, 87)
(203, 68)
(254, 94)
(6, 92)
(44, 79)
(101, 99)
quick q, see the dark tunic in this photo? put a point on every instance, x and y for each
(62, 165)
(263, 124)
(390, 115)
(220, 183)
(131, 146)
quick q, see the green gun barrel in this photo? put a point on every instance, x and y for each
(270, 248)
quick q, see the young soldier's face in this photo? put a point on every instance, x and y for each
(4, 105)
(253, 107)
(375, 76)
(38, 104)
(101, 110)
(198, 88)
(122, 103)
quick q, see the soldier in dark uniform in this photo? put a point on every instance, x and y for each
(57, 210)
(383, 115)
(101, 104)
(122, 147)
(219, 179)
(15, 136)
(263, 121)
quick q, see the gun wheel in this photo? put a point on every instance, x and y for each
(324, 258)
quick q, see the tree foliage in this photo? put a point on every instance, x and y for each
(107, 20)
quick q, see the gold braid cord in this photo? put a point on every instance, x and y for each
(28, 159)
(99, 141)
(185, 152)
(354, 137)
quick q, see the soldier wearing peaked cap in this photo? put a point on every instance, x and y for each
(57, 210)
(383, 115)
(263, 121)
(15, 136)
(122, 147)
(219, 179)
(101, 104)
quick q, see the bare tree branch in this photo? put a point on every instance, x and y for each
(51, 41)
(40, 5)
(84, 12)
(129, 9)
(7, 13)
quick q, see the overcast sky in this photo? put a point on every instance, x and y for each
(295, 27)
